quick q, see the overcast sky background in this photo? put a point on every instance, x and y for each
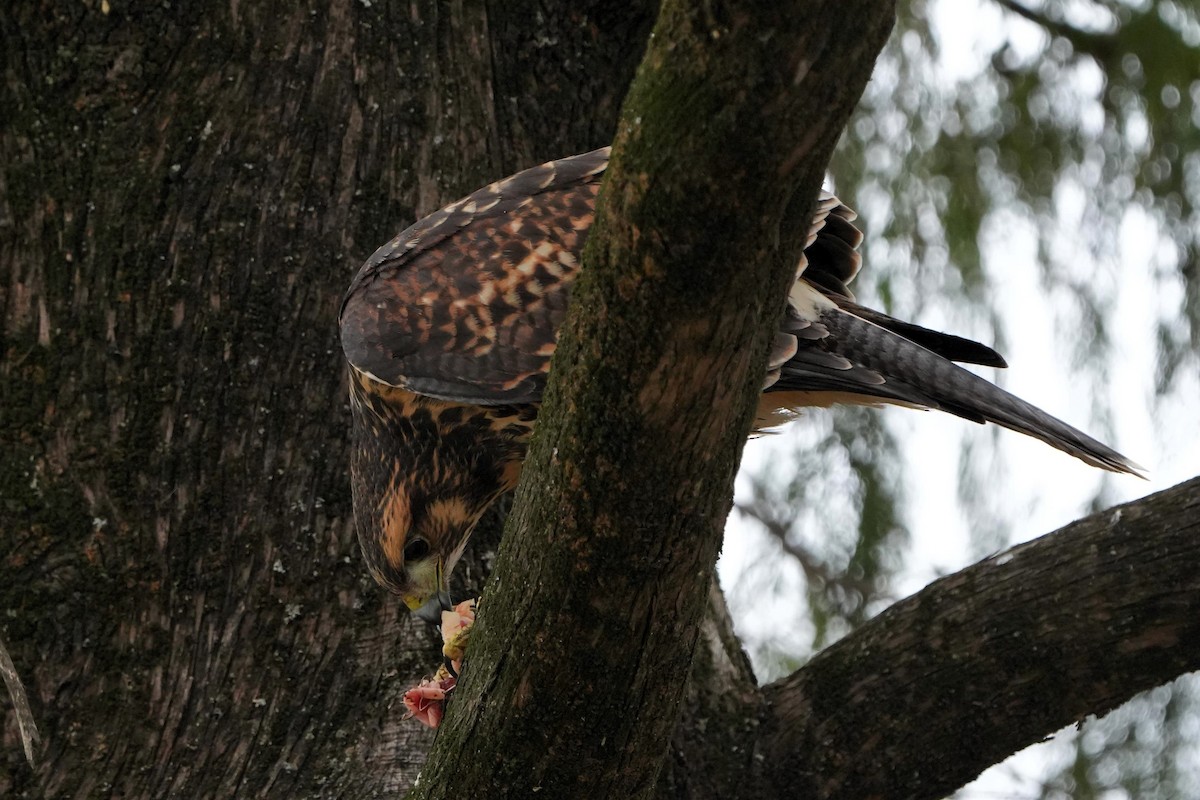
(1037, 489)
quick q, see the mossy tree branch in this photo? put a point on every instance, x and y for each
(954, 679)
(579, 659)
(993, 658)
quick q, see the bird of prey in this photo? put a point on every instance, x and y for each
(449, 329)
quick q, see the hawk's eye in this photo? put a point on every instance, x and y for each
(416, 550)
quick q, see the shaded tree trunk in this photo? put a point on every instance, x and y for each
(185, 191)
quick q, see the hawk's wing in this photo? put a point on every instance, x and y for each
(466, 304)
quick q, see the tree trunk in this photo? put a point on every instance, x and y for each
(185, 191)
(588, 627)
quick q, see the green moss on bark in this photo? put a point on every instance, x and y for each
(587, 633)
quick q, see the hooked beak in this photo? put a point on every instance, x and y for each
(431, 610)
(428, 602)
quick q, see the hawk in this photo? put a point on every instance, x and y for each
(450, 327)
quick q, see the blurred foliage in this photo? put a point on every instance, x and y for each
(845, 576)
(1066, 119)
(1147, 749)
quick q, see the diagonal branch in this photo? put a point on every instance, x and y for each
(1097, 45)
(993, 658)
(816, 572)
(25, 724)
(592, 615)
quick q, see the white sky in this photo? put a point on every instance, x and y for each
(1042, 489)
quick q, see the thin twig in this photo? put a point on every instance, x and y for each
(815, 571)
(25, 723)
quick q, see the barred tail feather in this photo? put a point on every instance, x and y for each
(881, 365)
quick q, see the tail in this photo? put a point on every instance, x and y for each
(866, 360)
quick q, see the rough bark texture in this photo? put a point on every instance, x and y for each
(586, 637)
(993, 658)
(713, 753)
(185, 191)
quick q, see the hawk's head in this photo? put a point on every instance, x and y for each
(422, 472)
(410, 541)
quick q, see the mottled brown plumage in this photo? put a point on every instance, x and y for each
(465, 305)
(450, 327)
